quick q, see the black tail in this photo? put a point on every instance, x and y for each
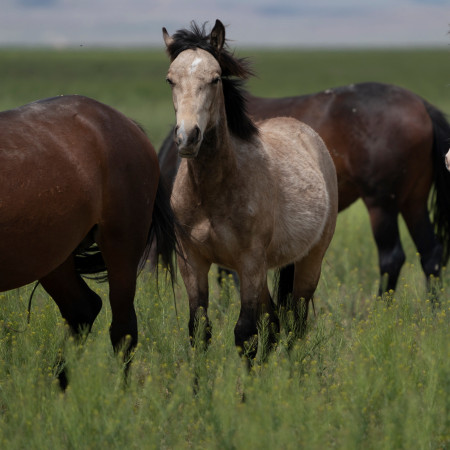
(163, 230)
(440, 198)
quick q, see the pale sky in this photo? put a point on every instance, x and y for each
(299, 23)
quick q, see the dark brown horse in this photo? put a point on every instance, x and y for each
(80, 194)
(388, 146)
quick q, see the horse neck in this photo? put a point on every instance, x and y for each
(215, 163)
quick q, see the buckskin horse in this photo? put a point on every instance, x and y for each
(248, 198)
(80, 195)
(388, 147)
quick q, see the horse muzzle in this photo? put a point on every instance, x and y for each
(188, 143)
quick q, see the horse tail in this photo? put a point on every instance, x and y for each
(163, 231)
(440, 197)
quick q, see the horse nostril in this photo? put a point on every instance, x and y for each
(176, 137)
(196, 134)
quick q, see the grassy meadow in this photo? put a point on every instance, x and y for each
(368, 374)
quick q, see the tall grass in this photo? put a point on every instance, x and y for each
(374, 378)
(370, 373)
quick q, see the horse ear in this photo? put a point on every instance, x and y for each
(217, 36)
(167, 38)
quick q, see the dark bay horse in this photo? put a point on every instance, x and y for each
(388, 146)
(80, 194)
(248, 198)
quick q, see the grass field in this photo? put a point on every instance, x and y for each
(369, 373)
(134, 81)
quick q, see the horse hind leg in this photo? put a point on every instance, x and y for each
(391, 257)
(427, 244)
(78, 304)
(305, 276)
(284, 287)
(122, 251)
(223, 273)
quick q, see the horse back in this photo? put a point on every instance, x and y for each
(379, 135)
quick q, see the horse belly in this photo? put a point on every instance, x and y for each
(301, 214)
(295, 240)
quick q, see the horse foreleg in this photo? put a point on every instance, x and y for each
(257, 307)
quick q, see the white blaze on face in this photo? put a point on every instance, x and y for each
(182, 131)
(195, 64)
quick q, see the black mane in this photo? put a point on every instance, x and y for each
(234, 72)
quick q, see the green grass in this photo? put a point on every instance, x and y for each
(369, 373)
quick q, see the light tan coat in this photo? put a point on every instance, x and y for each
(248, 205)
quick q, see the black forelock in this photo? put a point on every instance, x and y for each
(197, 38)
(191, 39)
(234, 93)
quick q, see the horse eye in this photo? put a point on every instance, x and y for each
(215, 80)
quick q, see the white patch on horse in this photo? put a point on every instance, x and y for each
(195, 64)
